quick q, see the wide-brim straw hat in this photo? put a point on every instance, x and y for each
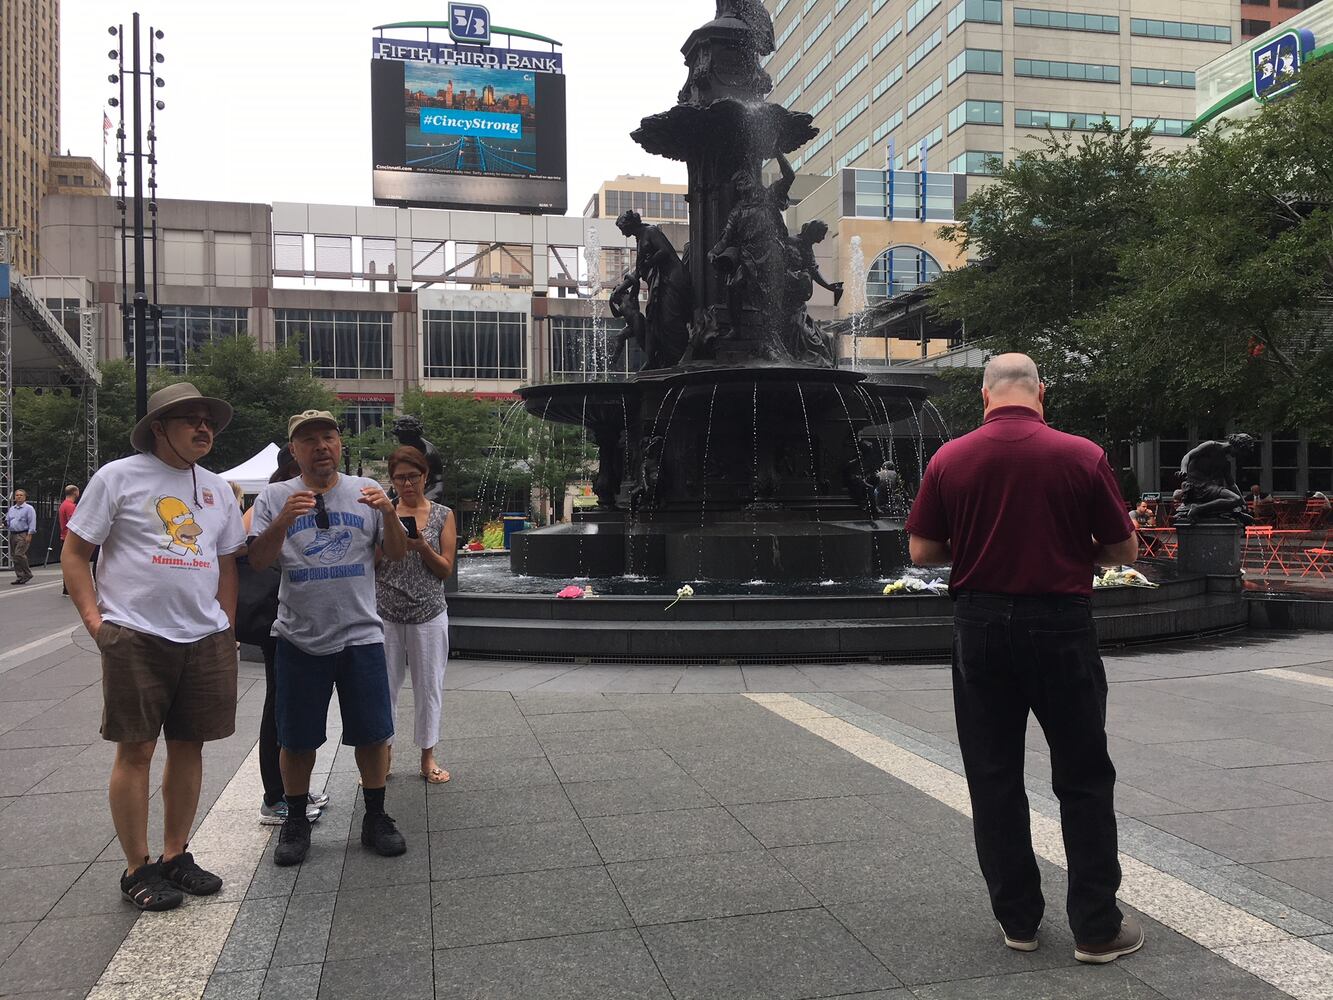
(170, 398)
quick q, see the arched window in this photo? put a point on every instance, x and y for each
(899, 269)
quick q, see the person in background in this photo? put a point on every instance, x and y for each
(1142, 515)
(1257, 494)
(162, 617)
(65, 513)
(325, 531)
(238, 491)
(409, 596)
(21, 520)
(1024, 513)
(273, 806)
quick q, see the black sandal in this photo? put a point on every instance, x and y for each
(182, 872)
(146, 888)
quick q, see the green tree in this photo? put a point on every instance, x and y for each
(465, 431)
(1045, 238)
(263, 387)
(1227, 281)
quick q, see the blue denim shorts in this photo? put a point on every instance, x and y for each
(305, 684)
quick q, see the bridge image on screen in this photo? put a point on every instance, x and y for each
(474, 99)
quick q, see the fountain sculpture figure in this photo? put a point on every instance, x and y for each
(739, 450)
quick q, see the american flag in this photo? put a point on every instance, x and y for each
(106, 126)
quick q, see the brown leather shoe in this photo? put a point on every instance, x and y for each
(1128, 941)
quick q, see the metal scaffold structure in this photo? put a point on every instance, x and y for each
(37, 352)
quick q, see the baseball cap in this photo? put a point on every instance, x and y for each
(310, 417)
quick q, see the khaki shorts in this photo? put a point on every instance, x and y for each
(151, 686)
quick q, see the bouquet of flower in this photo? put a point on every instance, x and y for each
(570, 592)
(915, 585)
(1122, 576)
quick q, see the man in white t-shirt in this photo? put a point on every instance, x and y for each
(162, 616)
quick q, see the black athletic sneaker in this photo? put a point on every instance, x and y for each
(293, 841)
(379, 833)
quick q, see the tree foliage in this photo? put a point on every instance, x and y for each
(1155, 290)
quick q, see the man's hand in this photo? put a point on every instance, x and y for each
(373, 496)
(299, 503)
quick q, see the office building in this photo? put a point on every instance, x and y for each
(29, 117)
(960, 82)
(381, 300)
(77, 175)
(655, 201)
(1257, 16)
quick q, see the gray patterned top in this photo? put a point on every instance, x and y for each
(406, 592)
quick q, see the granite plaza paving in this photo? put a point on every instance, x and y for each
(683, 832)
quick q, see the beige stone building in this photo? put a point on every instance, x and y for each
(966, 80)
(29, 117)
(77, 175)
(654, 200)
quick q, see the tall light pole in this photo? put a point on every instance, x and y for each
(138, 311)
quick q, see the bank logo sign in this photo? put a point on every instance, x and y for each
(1277, 63)
(470, 22)
(439, 122)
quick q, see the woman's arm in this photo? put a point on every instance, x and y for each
(442, 563)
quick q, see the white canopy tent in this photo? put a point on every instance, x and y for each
(253, 473)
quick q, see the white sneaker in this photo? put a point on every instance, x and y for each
(276, 814)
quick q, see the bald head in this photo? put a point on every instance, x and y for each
(1012, 380)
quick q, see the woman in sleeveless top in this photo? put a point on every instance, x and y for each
(409, 595)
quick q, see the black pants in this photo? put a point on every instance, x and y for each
(269, 771)
(1012, 655)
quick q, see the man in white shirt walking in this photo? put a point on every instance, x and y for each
(162, 617)
(21, 522)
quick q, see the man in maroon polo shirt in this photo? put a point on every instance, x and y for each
(1024, 512)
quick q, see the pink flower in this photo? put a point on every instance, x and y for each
(570, 591)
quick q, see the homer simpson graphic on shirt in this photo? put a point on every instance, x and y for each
(179, 525)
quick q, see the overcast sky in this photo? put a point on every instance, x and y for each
(270, 101)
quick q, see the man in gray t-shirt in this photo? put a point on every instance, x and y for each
(323, 531)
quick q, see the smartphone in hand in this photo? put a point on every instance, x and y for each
(410, 526)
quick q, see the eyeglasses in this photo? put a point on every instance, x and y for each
(407, 480)
(197, 422)
(321, 513)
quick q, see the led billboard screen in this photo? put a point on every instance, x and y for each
(465, 127)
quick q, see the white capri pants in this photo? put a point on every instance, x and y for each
(424, 650)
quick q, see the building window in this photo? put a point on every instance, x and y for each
(928, 141)
(882, 42)
(1250, 27)
(1062, 121)
(822, 103)
(899, 269)
(816, 31)
(976, 113)
(339, 343)
(851, 156)
(886, 84)
(887, 126)
(851, 32)
(1066, 20)
(579, 352)
(976, 61)
(786, 32)
(1149, 77)
(1286, 461)
(851, 74)
(357, 418)
(473, 345)
(1047, 69)
(187, 328)
(1164, 126)
(982, 11)
(1187, 30)
(1319, 458)
(852, 113)
(825, 61)
(929, 45)
(62, 180)
(787, 68)
(925, 97)
(977, 161)
(919, 9)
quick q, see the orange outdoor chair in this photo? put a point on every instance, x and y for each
(1320, 558)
